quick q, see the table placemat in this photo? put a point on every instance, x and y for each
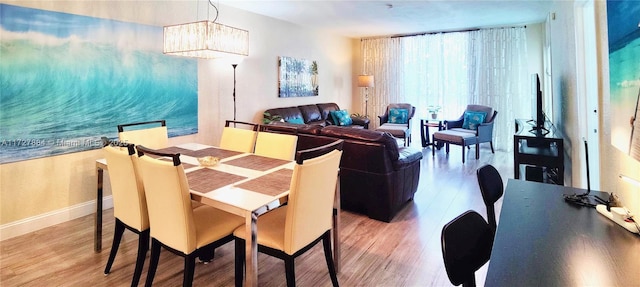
(184, 164)
(212, 151)
(205, 180)
(219, 153)
(271, 184)
(257, 162)
(174, 150)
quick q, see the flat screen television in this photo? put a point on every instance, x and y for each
(538, 121)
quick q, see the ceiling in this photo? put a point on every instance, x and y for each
(361, 19)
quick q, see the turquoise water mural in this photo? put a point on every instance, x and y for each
(624, 69)
(67, 80)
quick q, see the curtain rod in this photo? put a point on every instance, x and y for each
(433, 33)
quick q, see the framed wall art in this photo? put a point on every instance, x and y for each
(297, 78)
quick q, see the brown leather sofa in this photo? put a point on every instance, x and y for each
(314, 115)
(377, 178)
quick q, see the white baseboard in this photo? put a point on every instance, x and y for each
(44, 220)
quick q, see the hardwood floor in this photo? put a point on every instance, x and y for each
(405, 252)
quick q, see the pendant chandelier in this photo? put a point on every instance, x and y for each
(205, 39)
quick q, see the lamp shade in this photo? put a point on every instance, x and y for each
(205, 39)
(365, 81)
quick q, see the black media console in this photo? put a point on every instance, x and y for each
(539, 155)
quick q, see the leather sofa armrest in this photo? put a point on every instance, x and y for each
(407, 156)
(360, 121)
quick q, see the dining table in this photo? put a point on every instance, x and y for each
(243, 184)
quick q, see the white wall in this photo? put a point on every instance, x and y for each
(535, 45)
(33, 188)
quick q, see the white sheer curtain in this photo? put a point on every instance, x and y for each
(499, 78)
(380, 60)
(451, 70)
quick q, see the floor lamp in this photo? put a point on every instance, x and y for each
(365, 81)
(234, 93)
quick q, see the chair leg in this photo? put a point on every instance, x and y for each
(477, 151)
(471, 282)
(326, 242)
(462, 154)
(189, 269)
(117, 237)
(239, 261)
(433, 148)
(143, 247)
(290, 271)
(491, 144)
(206, 253)
(446, 146)
(153, 262)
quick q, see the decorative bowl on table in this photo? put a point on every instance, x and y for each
(208, 160)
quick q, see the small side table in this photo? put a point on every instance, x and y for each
(424, 130)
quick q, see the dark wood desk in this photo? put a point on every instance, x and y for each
(543, 241)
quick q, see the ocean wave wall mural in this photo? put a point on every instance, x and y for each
(67, 80)
(624, 75)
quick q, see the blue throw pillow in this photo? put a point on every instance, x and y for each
(297, 120)
(398, 116)
(473, 119)
(341, 118)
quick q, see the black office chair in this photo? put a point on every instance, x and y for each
(466, 246)
(491, 187)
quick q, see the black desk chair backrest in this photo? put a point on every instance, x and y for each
(492, 188)
(466, 246)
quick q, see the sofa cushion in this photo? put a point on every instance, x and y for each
(285, 113)
(455, 136)
(473, 119)
(310, 113)
(397, 130)
(398, 116)
(327, 108)
(298, 121)
(341, 117)
(478, 108)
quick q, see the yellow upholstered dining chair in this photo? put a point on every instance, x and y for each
(289, 231)
(275, 145)
(129, 203)
(239, 139)
(151, 136)
(175, 225)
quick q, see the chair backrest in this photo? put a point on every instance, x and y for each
(129, 202)
(168, 200)
(276, 145)
(156, 137)
(311, 196)
(411, 110)
(238, 139)
(466, 246)
(480, 108)
(491, 187)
